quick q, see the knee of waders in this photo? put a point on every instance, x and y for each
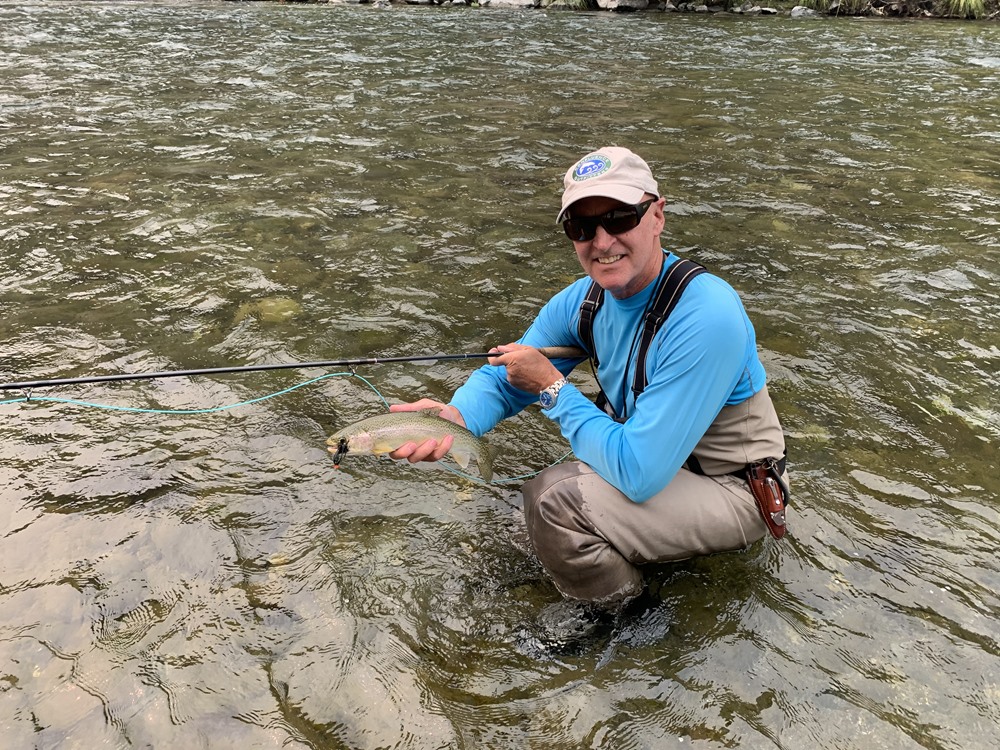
(552, 501)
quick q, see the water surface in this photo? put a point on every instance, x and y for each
(199, 184)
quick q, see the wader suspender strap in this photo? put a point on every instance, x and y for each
(667, 296)
(588, 309)
(665, 299)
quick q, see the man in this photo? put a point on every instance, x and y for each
(661, 475)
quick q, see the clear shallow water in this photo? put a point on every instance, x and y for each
(191, 185)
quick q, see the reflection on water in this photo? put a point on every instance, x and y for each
(192, 185)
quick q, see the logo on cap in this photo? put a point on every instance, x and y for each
(591, 166)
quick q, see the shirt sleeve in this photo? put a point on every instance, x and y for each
(694, 363)
(486, 397)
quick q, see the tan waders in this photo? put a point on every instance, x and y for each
(590, 537)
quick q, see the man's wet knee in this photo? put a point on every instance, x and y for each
(551, 502)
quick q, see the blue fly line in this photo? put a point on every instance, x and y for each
(214, 409)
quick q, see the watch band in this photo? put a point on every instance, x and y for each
(547, 398)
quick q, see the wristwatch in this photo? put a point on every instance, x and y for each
(547, 398)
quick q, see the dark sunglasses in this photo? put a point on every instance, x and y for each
(615, 221)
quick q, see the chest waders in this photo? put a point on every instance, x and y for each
(764, 477)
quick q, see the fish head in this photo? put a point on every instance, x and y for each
(361, 442)
(342, 443)
(338, 452)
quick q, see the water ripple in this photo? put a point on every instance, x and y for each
(195, 184)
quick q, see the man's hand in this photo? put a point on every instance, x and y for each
(429, 450)
(527, 368)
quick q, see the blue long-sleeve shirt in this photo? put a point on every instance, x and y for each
(704, 357)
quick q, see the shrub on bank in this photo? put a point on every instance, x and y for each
(958, 9)
(964, 9)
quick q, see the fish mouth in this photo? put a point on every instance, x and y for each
(340, 451)
(609, 259)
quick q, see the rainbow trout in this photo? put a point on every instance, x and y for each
(384, 433)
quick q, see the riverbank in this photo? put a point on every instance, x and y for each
(988, 10)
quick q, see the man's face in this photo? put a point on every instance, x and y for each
(625, 263)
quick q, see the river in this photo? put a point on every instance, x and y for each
(188, 185)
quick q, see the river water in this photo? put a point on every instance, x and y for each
(193, 185)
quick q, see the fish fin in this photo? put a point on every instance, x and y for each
(461, 457)
(485, 462)
(433, 411)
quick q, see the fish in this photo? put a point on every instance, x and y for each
(384, 433)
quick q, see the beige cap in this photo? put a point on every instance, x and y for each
(610, 172)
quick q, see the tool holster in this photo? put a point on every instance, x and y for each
(771, 495)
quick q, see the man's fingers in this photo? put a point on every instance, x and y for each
(403, 451)
(429, 450)
(442, 448)
(421, 405)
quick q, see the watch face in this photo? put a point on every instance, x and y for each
(546, 399)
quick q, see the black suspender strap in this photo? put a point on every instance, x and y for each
(665, 299)
(588, 309)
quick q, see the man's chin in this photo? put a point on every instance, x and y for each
(612, 279)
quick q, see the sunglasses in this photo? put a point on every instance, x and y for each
(615, 221)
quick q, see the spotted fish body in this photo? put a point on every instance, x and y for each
(385, 433)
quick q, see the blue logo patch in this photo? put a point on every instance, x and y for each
(591, 166)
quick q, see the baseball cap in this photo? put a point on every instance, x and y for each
(610, 172)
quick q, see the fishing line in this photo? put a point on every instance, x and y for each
(215, 409)
(509, 480)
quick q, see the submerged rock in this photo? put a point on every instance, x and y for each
(269, 310)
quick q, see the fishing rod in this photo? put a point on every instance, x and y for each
(551, 352)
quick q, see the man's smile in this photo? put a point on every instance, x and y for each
(609, 260)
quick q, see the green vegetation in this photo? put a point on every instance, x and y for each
(958, 9)
(965, 9)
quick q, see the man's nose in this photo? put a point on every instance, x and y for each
(602, 238)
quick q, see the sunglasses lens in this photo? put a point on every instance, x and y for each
(616, 224)
(616, 221)
(580, 230)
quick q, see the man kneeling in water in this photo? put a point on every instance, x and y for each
(684, 427)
